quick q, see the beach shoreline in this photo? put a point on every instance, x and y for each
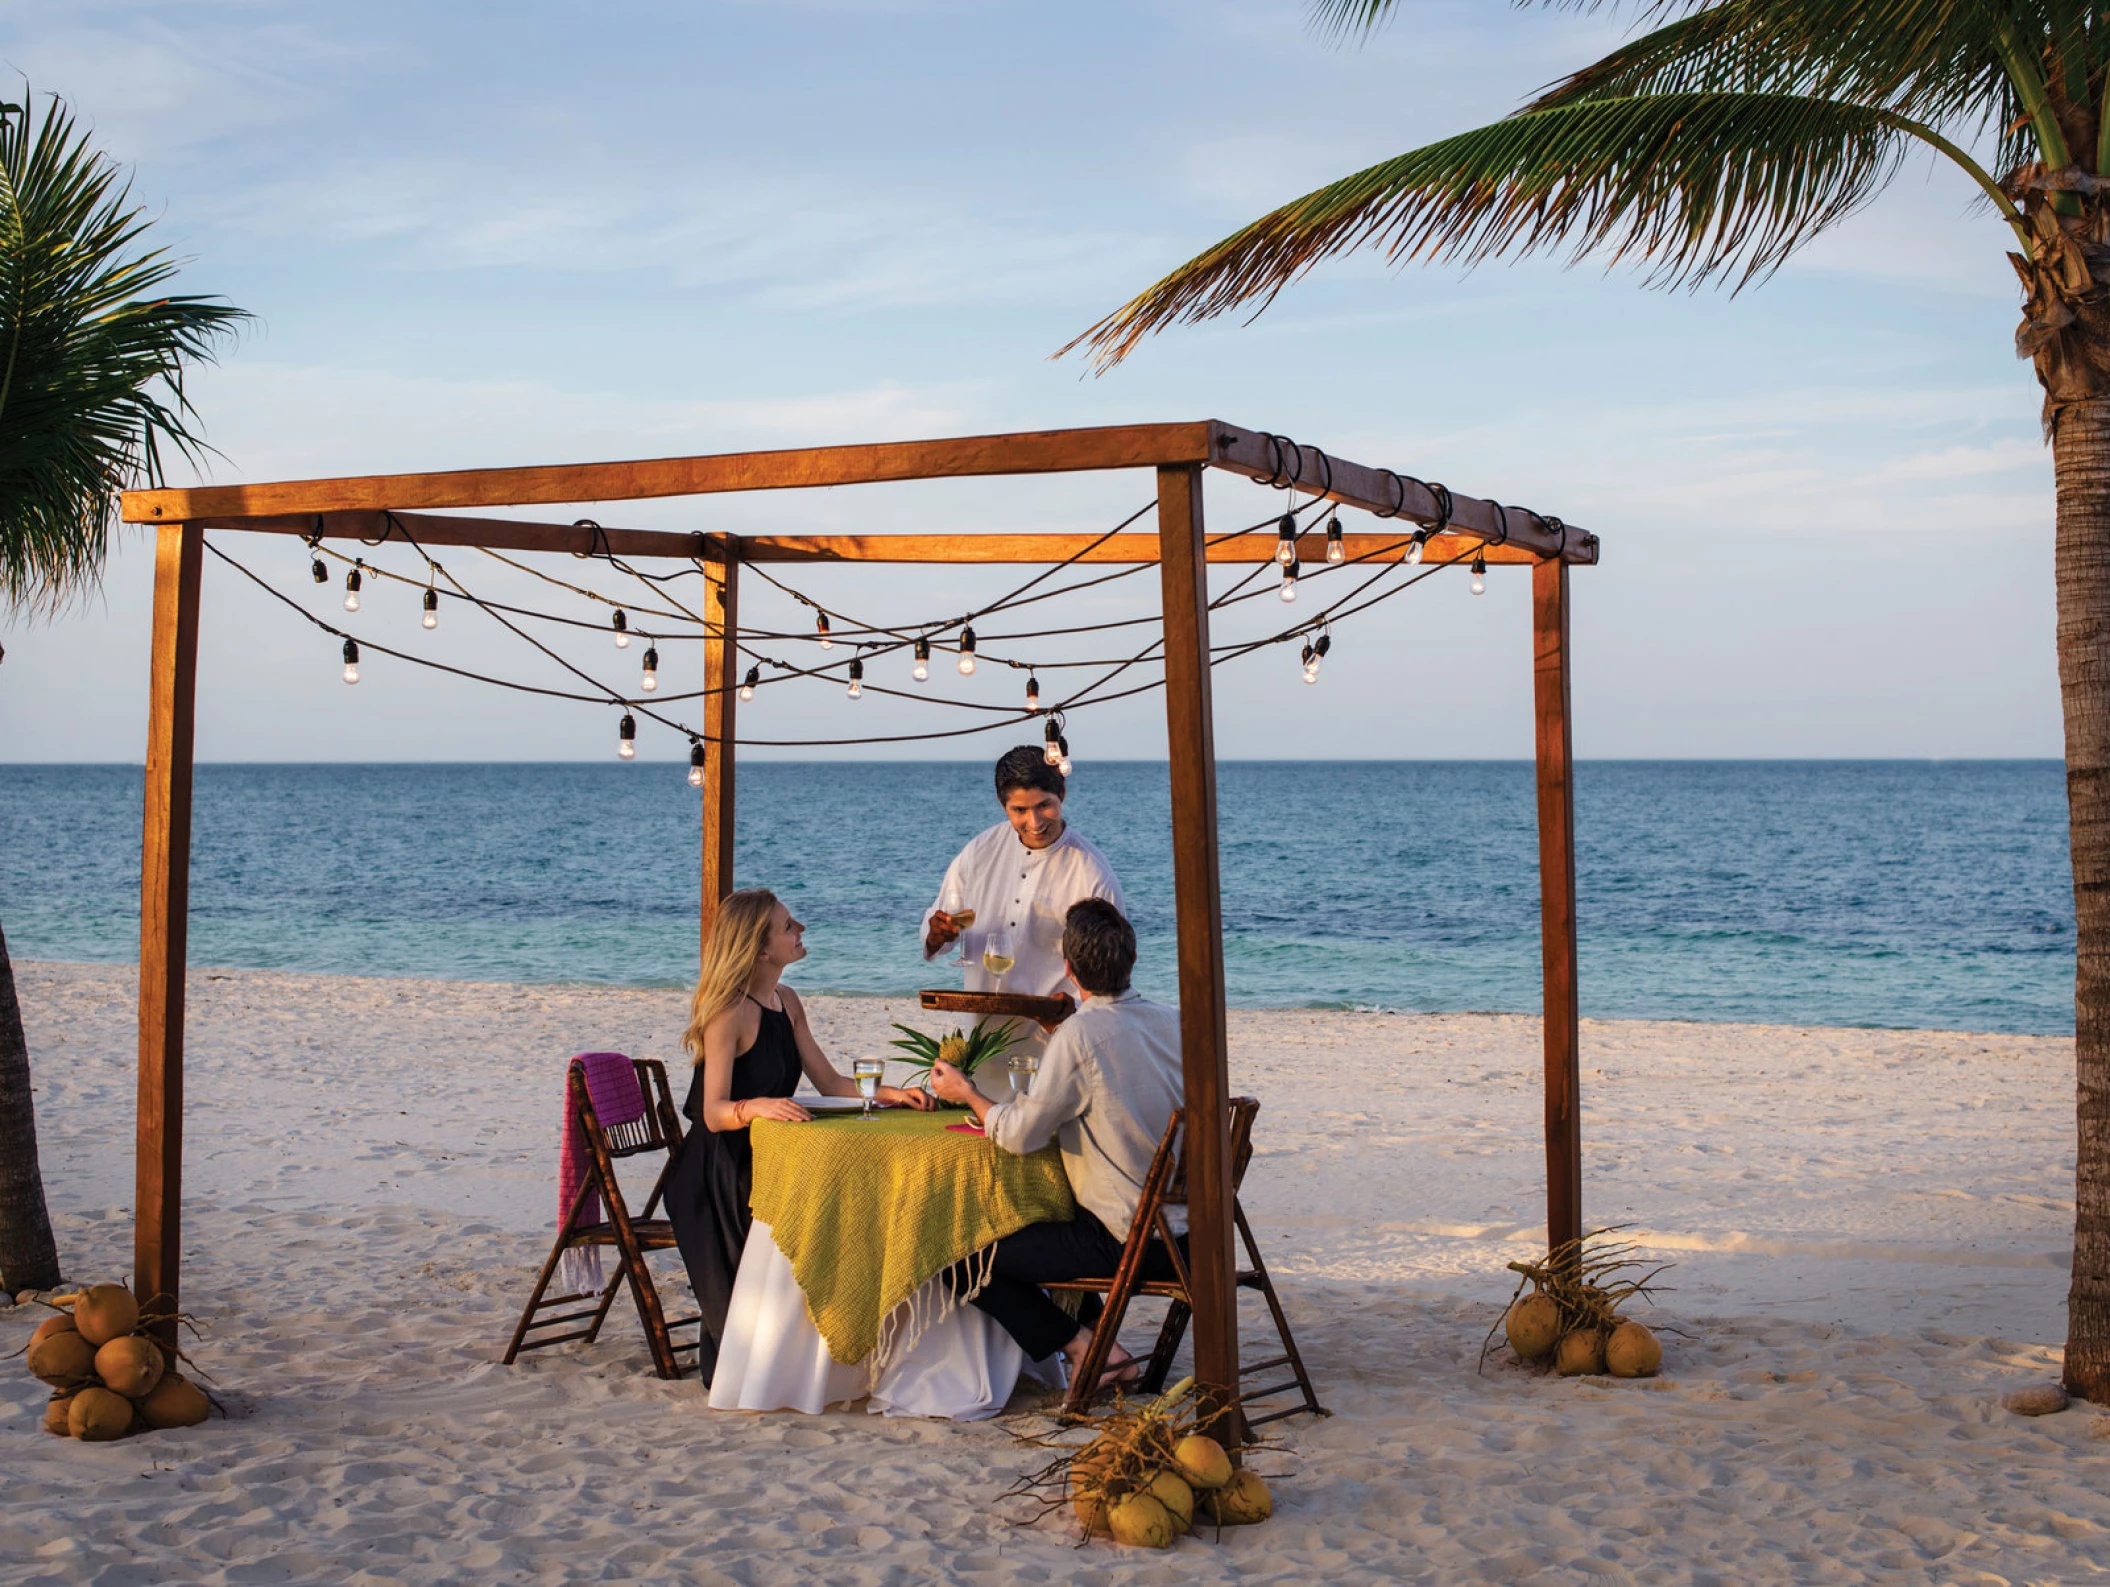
(1869, 1229)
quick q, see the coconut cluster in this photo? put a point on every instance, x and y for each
(1150, 1474)
(1572, 1313)
(108, 1376)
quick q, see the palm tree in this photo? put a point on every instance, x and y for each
(91, 394)
(1708, 149)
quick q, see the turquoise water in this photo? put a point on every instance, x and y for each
(1889, 893)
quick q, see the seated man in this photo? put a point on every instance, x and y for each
(1107, 1086)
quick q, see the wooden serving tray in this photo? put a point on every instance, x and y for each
(1004, 1005)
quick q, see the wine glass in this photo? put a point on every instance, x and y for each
(868, 1072)
(997, 957)
(955, 905)
(1024, 1066)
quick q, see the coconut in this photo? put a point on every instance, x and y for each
(1090, 1469)
(1171, 1490)
(1533, 1326)
(105, 1312)
(1581, 1352)
(62, 1358)
(56, 1323)
(55, 1415)
(175, 1402)
(131, 1365)
(1243, 1501)
(1140, 1521)
(97, 1415)
(1632, 1352)
(1202, 1461)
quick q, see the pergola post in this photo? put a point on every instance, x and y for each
(164, 908)
(1556, 799)
(721, 674)
(1204, 1047)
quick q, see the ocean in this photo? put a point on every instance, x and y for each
(1885, 893)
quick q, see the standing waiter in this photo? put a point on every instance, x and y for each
(1021, 875)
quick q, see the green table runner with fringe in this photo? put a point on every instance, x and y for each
(867, 1211)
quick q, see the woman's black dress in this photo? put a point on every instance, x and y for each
(708, 1190)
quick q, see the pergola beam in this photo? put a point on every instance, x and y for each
(509, 534)
(356, 504)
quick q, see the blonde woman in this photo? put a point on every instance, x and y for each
(749, 1041)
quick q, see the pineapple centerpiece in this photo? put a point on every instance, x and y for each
(965, 1050)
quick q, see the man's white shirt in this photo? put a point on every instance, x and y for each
(1027, 891)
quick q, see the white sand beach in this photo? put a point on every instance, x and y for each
(1869, 1227)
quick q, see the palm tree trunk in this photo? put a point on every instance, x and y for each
(2081, 456)
(28, 1257)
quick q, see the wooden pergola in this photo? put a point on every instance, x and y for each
(374, 508)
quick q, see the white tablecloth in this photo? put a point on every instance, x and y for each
(772, 1358)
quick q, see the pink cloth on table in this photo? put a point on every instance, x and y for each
(612, 1088)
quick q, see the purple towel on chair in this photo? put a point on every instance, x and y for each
(612, 1088)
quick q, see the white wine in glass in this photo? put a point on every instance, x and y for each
(868, 1072)
(1024, 1066)
(996, 954)
(962, 917)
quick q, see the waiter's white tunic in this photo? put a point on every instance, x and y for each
(1029, 891)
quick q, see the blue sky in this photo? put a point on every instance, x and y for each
(481, 234)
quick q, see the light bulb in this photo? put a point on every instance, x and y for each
(1417, 548)
(747, 684)
(1336, 548)
(1289, 581)
(351, 661)
(1479, 575)
(921, 671)
(696, 764)
(322, 574)
(352, 581)
(626, 737)
(1032, 692)
(966, 652)
(432, 608)
(820, 624)
(1311, 664)
(621, 623)
(857, 674)
(1286, 539)
(1064, 766)
(1053, 753)
(650, 680)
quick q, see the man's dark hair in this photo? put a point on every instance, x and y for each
(1027, 767)
(1100, 945)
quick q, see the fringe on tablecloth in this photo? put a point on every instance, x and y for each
(929, 1304)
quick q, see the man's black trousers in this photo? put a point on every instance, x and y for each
(1045, 1253)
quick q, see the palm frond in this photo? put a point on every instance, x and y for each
(92, 356)
(1694, 185)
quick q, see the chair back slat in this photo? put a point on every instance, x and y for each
(1243, 1110)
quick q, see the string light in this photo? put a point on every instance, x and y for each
(621, 624)
(695, 763)
(1053, 754)
(1032, 692)
(921, 673)
(747, 684)
(1289, 579)
(1314, 653)
(1286, 539)
(650, 680)
(1336, 548)
(1417, 547)
(1479, 575)
(967, 652)
(626, 737)
(322, 574)
(857, 677)
(1064, 765)
(351, 661)
(352, 581)
(432, 608)
(820, 624)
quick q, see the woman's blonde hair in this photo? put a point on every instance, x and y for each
(739, 933)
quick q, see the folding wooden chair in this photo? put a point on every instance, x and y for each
(657, 1129)
(1166, 1185)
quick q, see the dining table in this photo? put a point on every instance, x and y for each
(840, 1295)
